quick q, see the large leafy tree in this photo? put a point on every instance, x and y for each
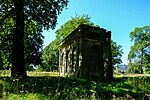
(139, 54)
(51, 52)
(33, 45)
(42, 12)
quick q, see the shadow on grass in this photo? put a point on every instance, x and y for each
(73, 88)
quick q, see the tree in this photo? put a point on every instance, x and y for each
(116, 53)
(71, 25)
(33, 45)
(50, 56)
(51, 52)
(42, 12)
(140, 51)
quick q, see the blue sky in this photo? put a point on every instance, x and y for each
(119, 16)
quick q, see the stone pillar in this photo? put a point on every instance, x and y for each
(108, 56)
(110, 71)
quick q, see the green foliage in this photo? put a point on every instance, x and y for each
(71, 25)
(6, 43)
(140, 52)
(43, 13)
(133, 68)
(33, 45)
(25, 97)
(117, 52)
(51, 56)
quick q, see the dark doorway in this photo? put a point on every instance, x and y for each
(94, 61)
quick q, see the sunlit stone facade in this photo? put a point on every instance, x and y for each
(86, 53)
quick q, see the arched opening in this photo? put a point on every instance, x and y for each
(73, 59)
(67, 52)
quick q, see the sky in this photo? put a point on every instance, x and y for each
(118, 16)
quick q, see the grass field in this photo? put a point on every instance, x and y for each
(49, 86)
(6, 73)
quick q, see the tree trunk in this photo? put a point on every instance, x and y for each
(18, 62)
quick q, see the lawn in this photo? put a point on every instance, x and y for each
(53, 87)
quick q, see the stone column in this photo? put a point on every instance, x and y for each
(108, 56)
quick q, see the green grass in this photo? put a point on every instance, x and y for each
(7, 73)
(60, 88)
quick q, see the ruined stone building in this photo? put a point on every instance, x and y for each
(86, 53)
